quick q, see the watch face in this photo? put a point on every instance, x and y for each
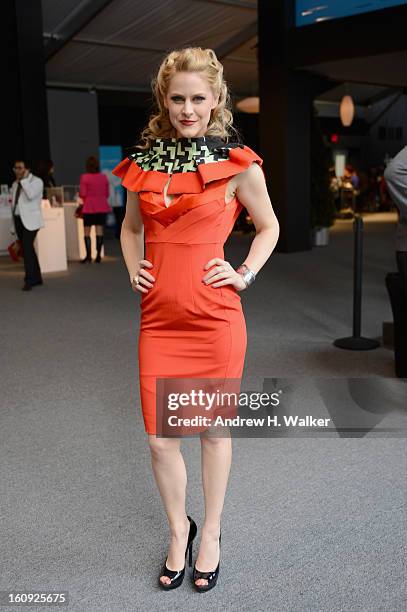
(249, 276)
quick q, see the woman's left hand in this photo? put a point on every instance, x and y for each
(222, 274)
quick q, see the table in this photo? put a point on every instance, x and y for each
(50, 241)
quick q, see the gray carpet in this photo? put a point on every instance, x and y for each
(308, 524)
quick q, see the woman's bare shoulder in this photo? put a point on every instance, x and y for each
(252, 175)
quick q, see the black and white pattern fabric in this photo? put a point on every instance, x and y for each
(173, 155)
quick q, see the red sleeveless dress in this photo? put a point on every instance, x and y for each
(187, 329)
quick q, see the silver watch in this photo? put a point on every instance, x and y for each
(248, 275)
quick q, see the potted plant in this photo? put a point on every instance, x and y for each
(322, 198)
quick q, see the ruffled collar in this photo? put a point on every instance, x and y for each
(175, 155)
(193, 166)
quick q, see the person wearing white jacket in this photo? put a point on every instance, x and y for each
(26, 193)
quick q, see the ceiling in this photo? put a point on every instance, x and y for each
(362, 93)
(119, 44)
(384, 69)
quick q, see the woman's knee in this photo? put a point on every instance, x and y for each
(160, 447)
(215, 440)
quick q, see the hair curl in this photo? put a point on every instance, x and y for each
(190, 59)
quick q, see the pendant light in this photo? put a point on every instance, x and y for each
(347, 110)
(249, 105)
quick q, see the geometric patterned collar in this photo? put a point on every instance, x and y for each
(174, 155)
(194, 162)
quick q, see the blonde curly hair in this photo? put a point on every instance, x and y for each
(190, 59)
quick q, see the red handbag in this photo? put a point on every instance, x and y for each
(78, 211)
(15, 250)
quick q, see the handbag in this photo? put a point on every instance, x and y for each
(78, 211)
(15, 250)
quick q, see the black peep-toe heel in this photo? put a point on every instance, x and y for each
(177, 576)
(211, 577)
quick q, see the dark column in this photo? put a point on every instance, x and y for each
(24, 125)
(284, 127)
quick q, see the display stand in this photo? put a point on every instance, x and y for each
(50, 241)
(75, 246)
(5, 224)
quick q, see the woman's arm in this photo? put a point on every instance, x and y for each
(33, 189)
(252, 192)
(132, 243)
(82, 188)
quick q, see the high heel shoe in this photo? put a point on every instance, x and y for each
(211, 577)
(177, 576)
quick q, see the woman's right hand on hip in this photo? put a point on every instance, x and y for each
(142, 280)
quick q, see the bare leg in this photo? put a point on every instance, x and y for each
(171, 478)
(216, 455)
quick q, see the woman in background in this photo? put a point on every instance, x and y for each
(94, 191)
(45, 171)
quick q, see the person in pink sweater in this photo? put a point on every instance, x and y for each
(94, 191)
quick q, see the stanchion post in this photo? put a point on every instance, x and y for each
(356, 342)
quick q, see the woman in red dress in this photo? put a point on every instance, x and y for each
(186, 185)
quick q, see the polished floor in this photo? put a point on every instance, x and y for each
(308, 524)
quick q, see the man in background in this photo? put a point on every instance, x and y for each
(395, 176)
(396, 180)
(26, 193)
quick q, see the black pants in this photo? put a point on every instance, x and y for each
(31, 265)
(397, 288)
(402, 268)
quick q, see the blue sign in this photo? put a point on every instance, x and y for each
(313, 11)
(109, 157)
